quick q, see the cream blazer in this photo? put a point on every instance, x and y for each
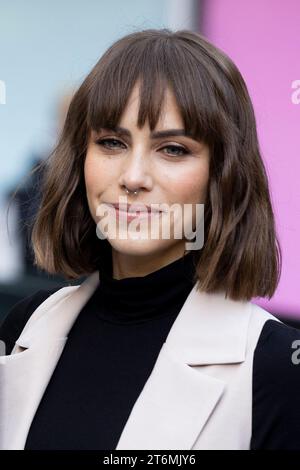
(198, 395)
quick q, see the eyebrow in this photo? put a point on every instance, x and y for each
(154, 135)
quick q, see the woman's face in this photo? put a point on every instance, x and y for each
(166, 170)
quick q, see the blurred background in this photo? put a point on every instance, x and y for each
(47, 49)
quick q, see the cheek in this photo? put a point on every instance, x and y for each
(190, 186)
(99, 173)
(89, 173)
(94, 175)
(94, 182)
(198, 189)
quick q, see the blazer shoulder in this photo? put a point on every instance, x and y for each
(17, 317)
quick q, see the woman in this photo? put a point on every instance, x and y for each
(160, 347)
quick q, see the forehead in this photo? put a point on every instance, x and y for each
(170, 116)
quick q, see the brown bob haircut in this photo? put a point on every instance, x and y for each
(241, 254)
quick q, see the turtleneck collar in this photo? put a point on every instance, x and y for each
(138, 299)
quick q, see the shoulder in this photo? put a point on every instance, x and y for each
(277, 352)
(276, 388)
(272, 339)
(16, 319)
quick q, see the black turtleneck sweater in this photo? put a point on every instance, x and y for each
(111, 350)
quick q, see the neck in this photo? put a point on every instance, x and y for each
(125, 265)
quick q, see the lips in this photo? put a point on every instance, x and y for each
(135, 208)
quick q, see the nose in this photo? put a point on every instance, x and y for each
(135, 173)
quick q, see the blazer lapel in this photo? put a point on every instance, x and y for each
(172, 408)
(177, 399)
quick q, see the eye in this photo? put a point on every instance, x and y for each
(102, 143)
(177, 148)
(107, 143)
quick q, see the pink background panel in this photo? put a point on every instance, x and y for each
(262, 37)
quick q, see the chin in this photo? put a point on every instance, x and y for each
(139, 247)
